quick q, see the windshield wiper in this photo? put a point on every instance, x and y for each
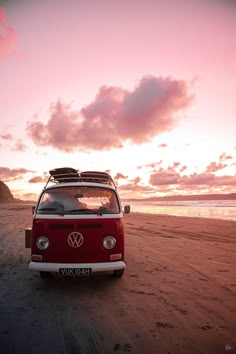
(59, 212)
(89, 211)
(47, 209)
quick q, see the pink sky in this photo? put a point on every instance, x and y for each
(144, 89)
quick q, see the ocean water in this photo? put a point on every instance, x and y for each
(217, 209)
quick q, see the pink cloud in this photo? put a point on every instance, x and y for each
(199, 179)
(131, 187)
(183, 168)
(136, 180)
(8, 38)
(116, 115)
(120, 176)
(161, 177)
(173, 169)
(2, 15)
(6, 137)
(151, 165)
(19, 146)
(224, 157)
(37, 179)
(226, 181)
(29, 197)
(213, 167)
(8, 174)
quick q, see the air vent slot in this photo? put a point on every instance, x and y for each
(61, 226)
(89, 226)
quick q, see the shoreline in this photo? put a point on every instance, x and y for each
(181, 216)
(201, 211)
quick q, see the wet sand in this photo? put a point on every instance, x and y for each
(178, 293)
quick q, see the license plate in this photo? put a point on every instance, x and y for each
(75, 272)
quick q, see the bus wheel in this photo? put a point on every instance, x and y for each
(118, 273)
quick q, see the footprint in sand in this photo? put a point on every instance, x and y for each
(117, 347)
(205, 328)
(164, 325)
(127, 347)
(122, 313)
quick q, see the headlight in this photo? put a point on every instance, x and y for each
(42, 243)
(109, 242)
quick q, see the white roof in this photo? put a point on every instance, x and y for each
(79, 184)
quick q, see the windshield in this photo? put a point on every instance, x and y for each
(78, 200)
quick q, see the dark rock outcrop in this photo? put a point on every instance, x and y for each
(5, 193)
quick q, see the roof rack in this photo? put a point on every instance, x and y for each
(97, 177)
(69, 174)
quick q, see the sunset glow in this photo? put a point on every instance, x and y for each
(142, 89)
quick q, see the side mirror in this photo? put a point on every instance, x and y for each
(33, 209)
(126, 209)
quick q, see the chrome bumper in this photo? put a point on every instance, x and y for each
(96, 267)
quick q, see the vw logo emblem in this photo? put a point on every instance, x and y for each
(75, 239)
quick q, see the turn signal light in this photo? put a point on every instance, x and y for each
(115, 257)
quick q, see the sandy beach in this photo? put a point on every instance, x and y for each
(178, 293)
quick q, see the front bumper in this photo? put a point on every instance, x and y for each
(96, 267)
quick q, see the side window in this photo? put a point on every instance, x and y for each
(45, 198)
(114, 206)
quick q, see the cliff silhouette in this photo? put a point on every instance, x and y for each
(5, 193)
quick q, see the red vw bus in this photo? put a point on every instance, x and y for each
(77, 225)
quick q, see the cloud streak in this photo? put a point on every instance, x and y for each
(115, 116)
(8, 37)
(161, 178)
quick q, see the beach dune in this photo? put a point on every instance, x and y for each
(178, 293)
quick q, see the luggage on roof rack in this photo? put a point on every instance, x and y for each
(62, 170)
(63, 174)
(69, 174)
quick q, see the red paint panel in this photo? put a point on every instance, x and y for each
(93, 232)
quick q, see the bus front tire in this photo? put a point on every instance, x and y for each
(118, 273)
(44, 274)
